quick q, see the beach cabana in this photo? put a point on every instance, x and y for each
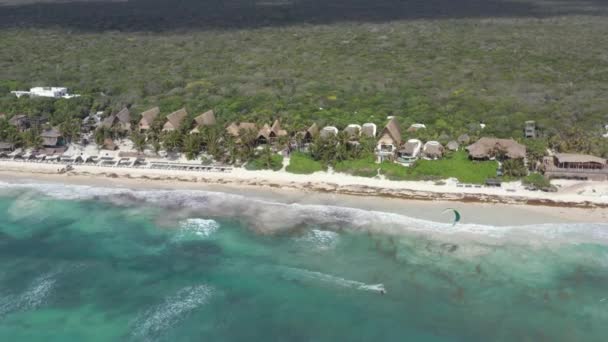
(389, 142)
(453, 145)
(276, 130)
(263, 136)
(51, 137)
(147, 118)
(488, 148)
(311, 133)
(410, 151)
(328, 131)
(353, 131)
(432, 150)
(206, 119)
(368, 130)
(174, 120)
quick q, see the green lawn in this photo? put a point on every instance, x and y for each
(456, 165)
(301, 163)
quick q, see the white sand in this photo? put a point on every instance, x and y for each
(570, 192)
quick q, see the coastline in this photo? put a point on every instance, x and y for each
(575, 203)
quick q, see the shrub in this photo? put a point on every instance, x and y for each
(301, 163)
(537, 181)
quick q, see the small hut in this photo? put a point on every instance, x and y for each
(206, 119)
(353, 131)
(464, 139)
(174, 120)
(108, 144)
(432, 150)
(311, 133)
(453, 145)
(147, 118)
(369, 130)
(487, 148)
(328, 131)
(51, 137)
(390, 141)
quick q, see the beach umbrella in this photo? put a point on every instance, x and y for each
(456, 215)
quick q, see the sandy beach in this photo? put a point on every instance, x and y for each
(512, 204)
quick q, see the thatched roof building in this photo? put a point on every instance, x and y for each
(148, 117)
(391, 134)
(276, 130)
(235, 129)
(174, 120)
(109, 144)
(20, 121)
(486, 148)
(453, 145)
(51, 137)
(264, 134)
(368, 130)
(432, 149)
(353, 130)
(328, 131)
(124, 119)
(311, 133)
(464, 139)
(204, 120)
(580, 159)
(411, 149)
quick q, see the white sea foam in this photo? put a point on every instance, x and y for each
(269, 217)
(320, 239)
(157, 320)
(303, 274)
(32, 298)
(200, 227)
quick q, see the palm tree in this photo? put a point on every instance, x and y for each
(192, 146)
(70, 129)
(31, 138)
(172, 141)
(139, 141)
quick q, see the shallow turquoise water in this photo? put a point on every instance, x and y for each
(86, 264)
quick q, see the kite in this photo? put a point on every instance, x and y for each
(456, 215)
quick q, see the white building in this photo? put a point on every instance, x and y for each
(55, 92)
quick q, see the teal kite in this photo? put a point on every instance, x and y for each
(456, 215)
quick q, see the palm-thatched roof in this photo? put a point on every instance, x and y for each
(433, 149)
(368, 130)
(205, 119)
(264, 132)
(175, 119)
(411, 148)
(579, 158)
(464, 139)
(277, 130)
(148, 117)
(235, 129)
(50, 137)
(328, 131)
(124, 116)
(453, 145)
(491, 147)
(109, 121)
(391, 134)
(312, 131)
(353, 130)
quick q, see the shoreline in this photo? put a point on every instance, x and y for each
(587, 196)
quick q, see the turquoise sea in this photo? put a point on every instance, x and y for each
(99, 264)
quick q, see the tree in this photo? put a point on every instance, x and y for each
(192, 146)
(70, 129)
(172, 141)
(514, 168)
(139, 141)
(31, 138)
(100, 135)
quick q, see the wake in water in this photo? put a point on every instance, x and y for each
(271, 217)
(156, 321)
(202, 228)
(302, 274)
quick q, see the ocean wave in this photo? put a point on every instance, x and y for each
(199, 227)
(320, 239)
(33, 297)
(154, 322)
(270, 217)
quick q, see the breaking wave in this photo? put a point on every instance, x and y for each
(154, 322)
(320, 239)
(199, 227)
(271, 217)
(33, 297)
